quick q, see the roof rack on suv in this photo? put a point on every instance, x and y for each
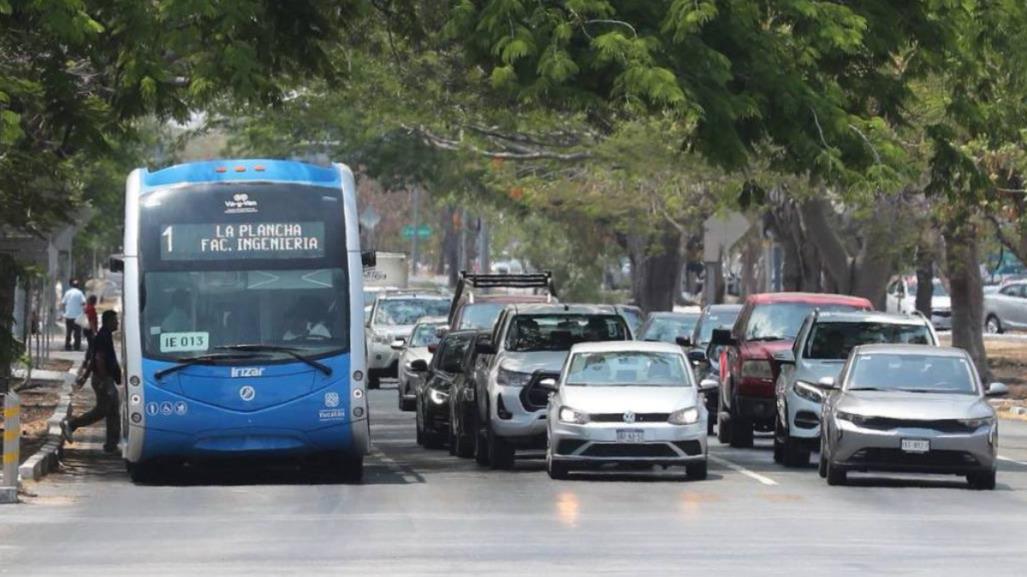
(539, 280)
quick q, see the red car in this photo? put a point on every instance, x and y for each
(767, 324)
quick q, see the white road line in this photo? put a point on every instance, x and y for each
(740, 469)
(1008, 460)
(393, 466)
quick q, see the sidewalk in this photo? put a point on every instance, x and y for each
(85, 455)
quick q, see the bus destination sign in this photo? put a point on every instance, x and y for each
(258, 240)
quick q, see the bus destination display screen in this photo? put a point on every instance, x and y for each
(258, 240)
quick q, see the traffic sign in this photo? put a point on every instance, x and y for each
(423, 231)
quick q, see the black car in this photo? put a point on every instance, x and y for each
(432, 392)
(463, 414)
(706, 363)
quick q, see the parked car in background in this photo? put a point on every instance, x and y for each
(705, 358)
(393, 317)
(1006, 308)
(910, 408)
(432, 395)
(529, 340)
(634, 316)
(667, 327)
(625, 402)
(420, 346)
(767, 324)
(820, 350)
(901, 299)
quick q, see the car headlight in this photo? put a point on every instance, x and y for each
(757, 370)
(569, 415)
(438, 397)
(809, 392)
(689, 416)
(977, 423)
(853, 418)
(509, 378)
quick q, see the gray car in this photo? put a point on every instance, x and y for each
(910, 408)
(1006, 308)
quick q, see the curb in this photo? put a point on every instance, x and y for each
(45, 459)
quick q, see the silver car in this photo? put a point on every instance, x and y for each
(626, 402)
(910, 408)
(819, 351)
(420, 347)
(1006, 308)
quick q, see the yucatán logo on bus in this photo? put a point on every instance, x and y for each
(240, 203)
(331, 412)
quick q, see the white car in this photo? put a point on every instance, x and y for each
(421, 346)
(901, 299)
(393, 317)
(628, 402)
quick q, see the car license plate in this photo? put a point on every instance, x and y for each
(916, 445)
(629, 436)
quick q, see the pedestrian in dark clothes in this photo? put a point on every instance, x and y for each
(106, 375)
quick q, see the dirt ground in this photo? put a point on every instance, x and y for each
(38, 401)
(1008, 360)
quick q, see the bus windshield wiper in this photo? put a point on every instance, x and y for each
(279, 349)
(201, 360)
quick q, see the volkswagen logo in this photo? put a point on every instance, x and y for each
(247, 393)
(629, 417)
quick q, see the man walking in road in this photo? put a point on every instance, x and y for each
(106, 374)
(74, 305)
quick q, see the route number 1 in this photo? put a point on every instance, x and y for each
(168, 234)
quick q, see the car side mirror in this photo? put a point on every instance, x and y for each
(696, 356)
(827, 382)
(683, 341)
(419, 366)
(116, 264)
(398, 344)
(433, 347)
(484, 348)
(548, 384)
(369, 259)
(706, 385)
(722, 337)
(785, 357)
(997, 390)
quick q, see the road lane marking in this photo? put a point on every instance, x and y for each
(740, 469)
(393, 466)
(1008, 460)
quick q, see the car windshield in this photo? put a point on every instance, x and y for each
(559, 332)
(425, 335)
(666, 329)
(479, 316)
(399, 312)
(781, 321)
(834, 341)
(627, 368)
(912, 373)
(714, 320)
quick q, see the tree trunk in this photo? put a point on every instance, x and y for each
(963, 271)
(656, 269)
(8, 345)
(924, 277)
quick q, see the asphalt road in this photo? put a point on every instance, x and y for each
(425, 513)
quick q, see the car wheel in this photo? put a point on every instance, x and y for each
(835, 475)
(993, 326)
(778, 444)
(982, 481)
(696, 471)
(481, 448)
(464, 439)
(794, 455)
(723, 424)
(501, 454)
(556, 469)
(406, 405)
(417, 420)
(374, 381)
(822, 466)
(741, 432)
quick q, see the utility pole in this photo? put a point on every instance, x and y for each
(483, 246)
(415, 195)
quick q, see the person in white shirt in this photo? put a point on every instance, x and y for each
(74, 305)
(304, 322)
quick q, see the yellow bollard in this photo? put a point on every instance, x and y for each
(12, 439)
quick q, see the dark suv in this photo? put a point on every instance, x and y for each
(767, 324)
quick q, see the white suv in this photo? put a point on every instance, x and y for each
(809, 370)
(392, 318)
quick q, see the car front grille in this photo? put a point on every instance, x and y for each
(619, 417)
(898, 457)
(939, 425)
(637, 450)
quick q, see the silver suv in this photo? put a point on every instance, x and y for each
(811, 366)
(392, 318)
(529, 342)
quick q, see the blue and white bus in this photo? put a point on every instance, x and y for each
(243, 316)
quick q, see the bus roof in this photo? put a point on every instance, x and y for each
(243, 170)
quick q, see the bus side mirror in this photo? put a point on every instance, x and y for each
(369, 259)
(116, 264)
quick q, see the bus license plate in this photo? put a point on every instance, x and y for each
(630, 436)
(916, 445)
